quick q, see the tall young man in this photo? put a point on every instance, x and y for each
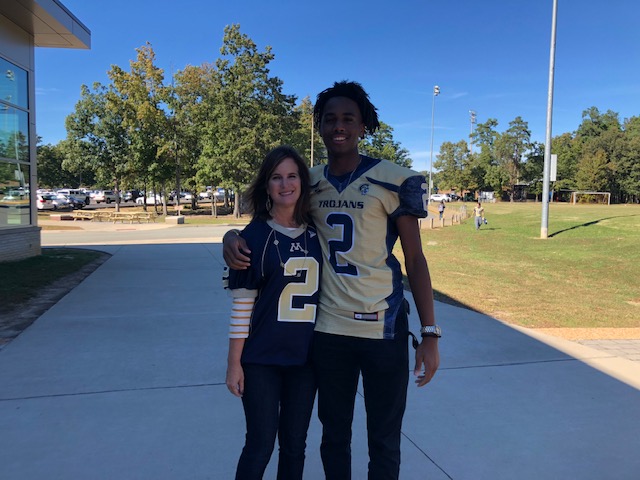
(361, 206)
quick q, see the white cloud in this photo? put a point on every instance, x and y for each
(45, 91)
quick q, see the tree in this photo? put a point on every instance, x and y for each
(595, 123)
(139, 96)
(251, 115)
(533, 169)
(380, 144)
(566, 149)
(629, 163)
(97, 137)
(485, 170)
(451, 163)
(510, 147)
(302, 136)
(51, 173)
(192, 102)
(599, 141)
(592, 173)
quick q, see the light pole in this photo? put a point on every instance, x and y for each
(544, 224)
(311, 166)
(436, 92)
(472, 118)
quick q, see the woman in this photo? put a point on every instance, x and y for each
(441, 209)
(273, 317)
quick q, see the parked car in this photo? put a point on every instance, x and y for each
(76, 203)
(44, 201)
(219, 194)
(150, 199)
(205, 195)
(131, 195)
(184, 196)
(78, 193)
(61, 201)
(14, 195)
(438, 197)
(105, 196)
(454, 197)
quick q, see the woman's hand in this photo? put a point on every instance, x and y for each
(235, 379)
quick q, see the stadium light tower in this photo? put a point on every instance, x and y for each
(472, 118)
(311, 161)
(544, 224)
(436, 92)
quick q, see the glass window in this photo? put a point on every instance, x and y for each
(14, 134)
(13, 84)
(14, 195)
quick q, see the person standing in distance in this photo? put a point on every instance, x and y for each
(478, 214)
(273, 316)
(361, 206)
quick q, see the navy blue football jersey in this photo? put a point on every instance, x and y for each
(284, 278)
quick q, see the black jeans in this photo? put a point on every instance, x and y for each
(277, 401)
(384, 365)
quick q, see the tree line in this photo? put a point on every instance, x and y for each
(602, 155)
(212, 124)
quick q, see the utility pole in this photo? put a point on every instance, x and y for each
(472, 118)
(311, 140)
(544, 224)
(436, 92)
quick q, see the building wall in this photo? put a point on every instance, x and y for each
(25, 25)
(19, 243)
(19, 233)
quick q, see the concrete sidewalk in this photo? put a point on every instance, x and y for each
(124, 379)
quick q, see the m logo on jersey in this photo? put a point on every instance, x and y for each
(296, 247)
(364, 188)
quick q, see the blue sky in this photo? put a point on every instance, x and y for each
(491, 57)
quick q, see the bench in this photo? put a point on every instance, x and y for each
(133, 217)
(80, 215)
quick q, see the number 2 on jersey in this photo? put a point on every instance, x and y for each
(286, 311)
(343, 225)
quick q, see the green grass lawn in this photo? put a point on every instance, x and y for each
(586, 274)
(23, 279)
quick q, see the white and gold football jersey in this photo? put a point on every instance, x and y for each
(361, 290)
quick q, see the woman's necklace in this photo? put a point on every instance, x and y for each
(276, 242)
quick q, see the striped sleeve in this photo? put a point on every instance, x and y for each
(241, 317)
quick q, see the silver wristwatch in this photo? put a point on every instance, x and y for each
(431, 331)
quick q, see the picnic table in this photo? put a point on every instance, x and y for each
(80, 215)
(111, 216)
(91, 215)
(133, 217)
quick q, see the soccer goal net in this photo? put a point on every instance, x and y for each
(591, 197)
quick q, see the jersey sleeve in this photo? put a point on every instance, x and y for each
(246, 283)
(413, 197)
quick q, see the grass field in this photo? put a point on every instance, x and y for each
(586, 274)
(21, 280)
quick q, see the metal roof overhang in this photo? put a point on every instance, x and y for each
(50, 23)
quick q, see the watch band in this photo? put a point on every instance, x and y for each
(431, 331)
